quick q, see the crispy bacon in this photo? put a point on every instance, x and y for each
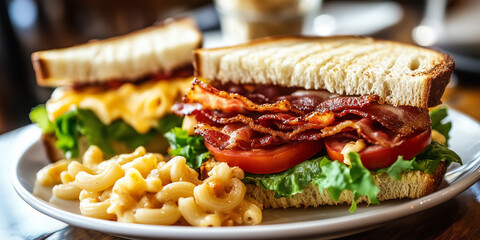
(315, 119)
(238, 136)
(212, 98)
(215, 99)
(222, 139)
(263, 127)
(230, 120)
(403, 120)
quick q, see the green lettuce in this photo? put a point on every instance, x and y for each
(337, 177)
(290, 181)
(168, 122)
(427, 161)
(437, 117)
(66, 131)
(121, 132)
(324, 173)
(190, 147)
(39, 116)
(82, 122)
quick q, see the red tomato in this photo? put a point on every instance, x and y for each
(262, 161)
(376, 156)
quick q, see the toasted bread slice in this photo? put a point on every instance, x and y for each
(400, 74)
(414, 184)
(158, 49)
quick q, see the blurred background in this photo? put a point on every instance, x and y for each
(31, 25)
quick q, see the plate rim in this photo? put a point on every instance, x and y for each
(327, 227)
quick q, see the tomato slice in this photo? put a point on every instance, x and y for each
(376, 156)
(262, 161)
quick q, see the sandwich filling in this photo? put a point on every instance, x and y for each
(253, 117)
(287, 138)
(140, 106)
(131, 114)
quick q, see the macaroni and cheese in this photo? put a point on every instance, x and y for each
(142, 187)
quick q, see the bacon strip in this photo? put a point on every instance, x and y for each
(299, 124)
(224, 139)
(290, 128)
(403, 120)
(238, 136)
(230, 120)
(212, 98)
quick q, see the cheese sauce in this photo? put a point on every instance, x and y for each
(352, 146)
(138, 105)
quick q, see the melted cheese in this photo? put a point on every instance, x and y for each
(438, 137)
(138, 105)
(189, 123)
(352, 146)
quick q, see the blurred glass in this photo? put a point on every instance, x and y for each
(356, 17)
(431, 27)
(244, 20)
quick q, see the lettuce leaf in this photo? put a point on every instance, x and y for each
(78, 122)
(122, 132)
(39, 116)
(361, 182)
(427, 161)
(337, 177)
(290, 181)
(84, 122)
(169, 121)
(437, 116)
(435, 152)
(398, 168)
(190, 147)
(93, 129)
(67, 133)
(326, 174)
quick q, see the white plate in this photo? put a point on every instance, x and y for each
(324, 221)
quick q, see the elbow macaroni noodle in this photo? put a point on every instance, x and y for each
(141, 187)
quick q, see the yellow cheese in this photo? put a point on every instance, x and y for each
(189, 123)
(138, 105)
(352, 146)
(438, 137)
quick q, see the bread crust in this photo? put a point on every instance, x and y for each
(438, 82)
(55, 67)
(53, 153)
(434, 80)
(414, 184)
(436, 179)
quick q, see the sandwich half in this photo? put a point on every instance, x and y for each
(115, 93)
(321, 121)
